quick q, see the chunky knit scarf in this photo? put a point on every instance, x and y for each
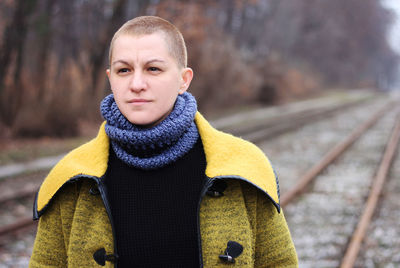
(155, 147)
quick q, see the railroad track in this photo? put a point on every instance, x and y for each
(16, 202)
(263, 134)
(262, 124)
(378, 183)
(331, 156)
(384, 230)
(322, 221)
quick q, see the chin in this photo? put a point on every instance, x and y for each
(142, 122)
(146, 120)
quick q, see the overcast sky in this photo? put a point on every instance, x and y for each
(394, 35)
(395, 32)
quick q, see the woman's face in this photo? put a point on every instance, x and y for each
(145, 79)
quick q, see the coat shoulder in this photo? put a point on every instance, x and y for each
(88, 160)
(227, 155)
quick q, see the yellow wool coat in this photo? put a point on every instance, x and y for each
(74, 221)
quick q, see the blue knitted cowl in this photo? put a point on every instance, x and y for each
(155, 147)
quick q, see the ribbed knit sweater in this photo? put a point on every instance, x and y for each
(155, 212)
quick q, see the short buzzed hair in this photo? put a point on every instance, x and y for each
(145, 25)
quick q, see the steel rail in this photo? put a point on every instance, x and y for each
(291, 122)
(354, 246)
(332, 155)
(15, 226)
(22, 193)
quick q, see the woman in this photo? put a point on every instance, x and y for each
(158, 186)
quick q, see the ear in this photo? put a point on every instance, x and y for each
(108, 72)
(187, 76)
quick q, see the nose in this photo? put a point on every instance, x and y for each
(138, 82)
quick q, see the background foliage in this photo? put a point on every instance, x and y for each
(53, 53)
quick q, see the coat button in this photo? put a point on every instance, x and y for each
(94, 190)
(101, 257)
(217, 188)
(233, 250)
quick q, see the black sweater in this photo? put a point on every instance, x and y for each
(155, 212)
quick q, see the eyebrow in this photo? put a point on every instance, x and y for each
(120, 61)
(147, 62)
(155, 60)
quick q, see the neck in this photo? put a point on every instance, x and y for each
(157, 146)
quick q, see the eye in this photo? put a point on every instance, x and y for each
(154, 69)
(122, 70)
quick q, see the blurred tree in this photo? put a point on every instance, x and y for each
(53, 53)
(99, 49)
(11, 56)
(43, 26)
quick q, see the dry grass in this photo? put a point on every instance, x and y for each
(14, 151)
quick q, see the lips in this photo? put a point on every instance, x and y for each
(138, 101)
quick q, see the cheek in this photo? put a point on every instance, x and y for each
(118, 96)
(168, 98)
(115, 93)
(117, 88)
(113, 84)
